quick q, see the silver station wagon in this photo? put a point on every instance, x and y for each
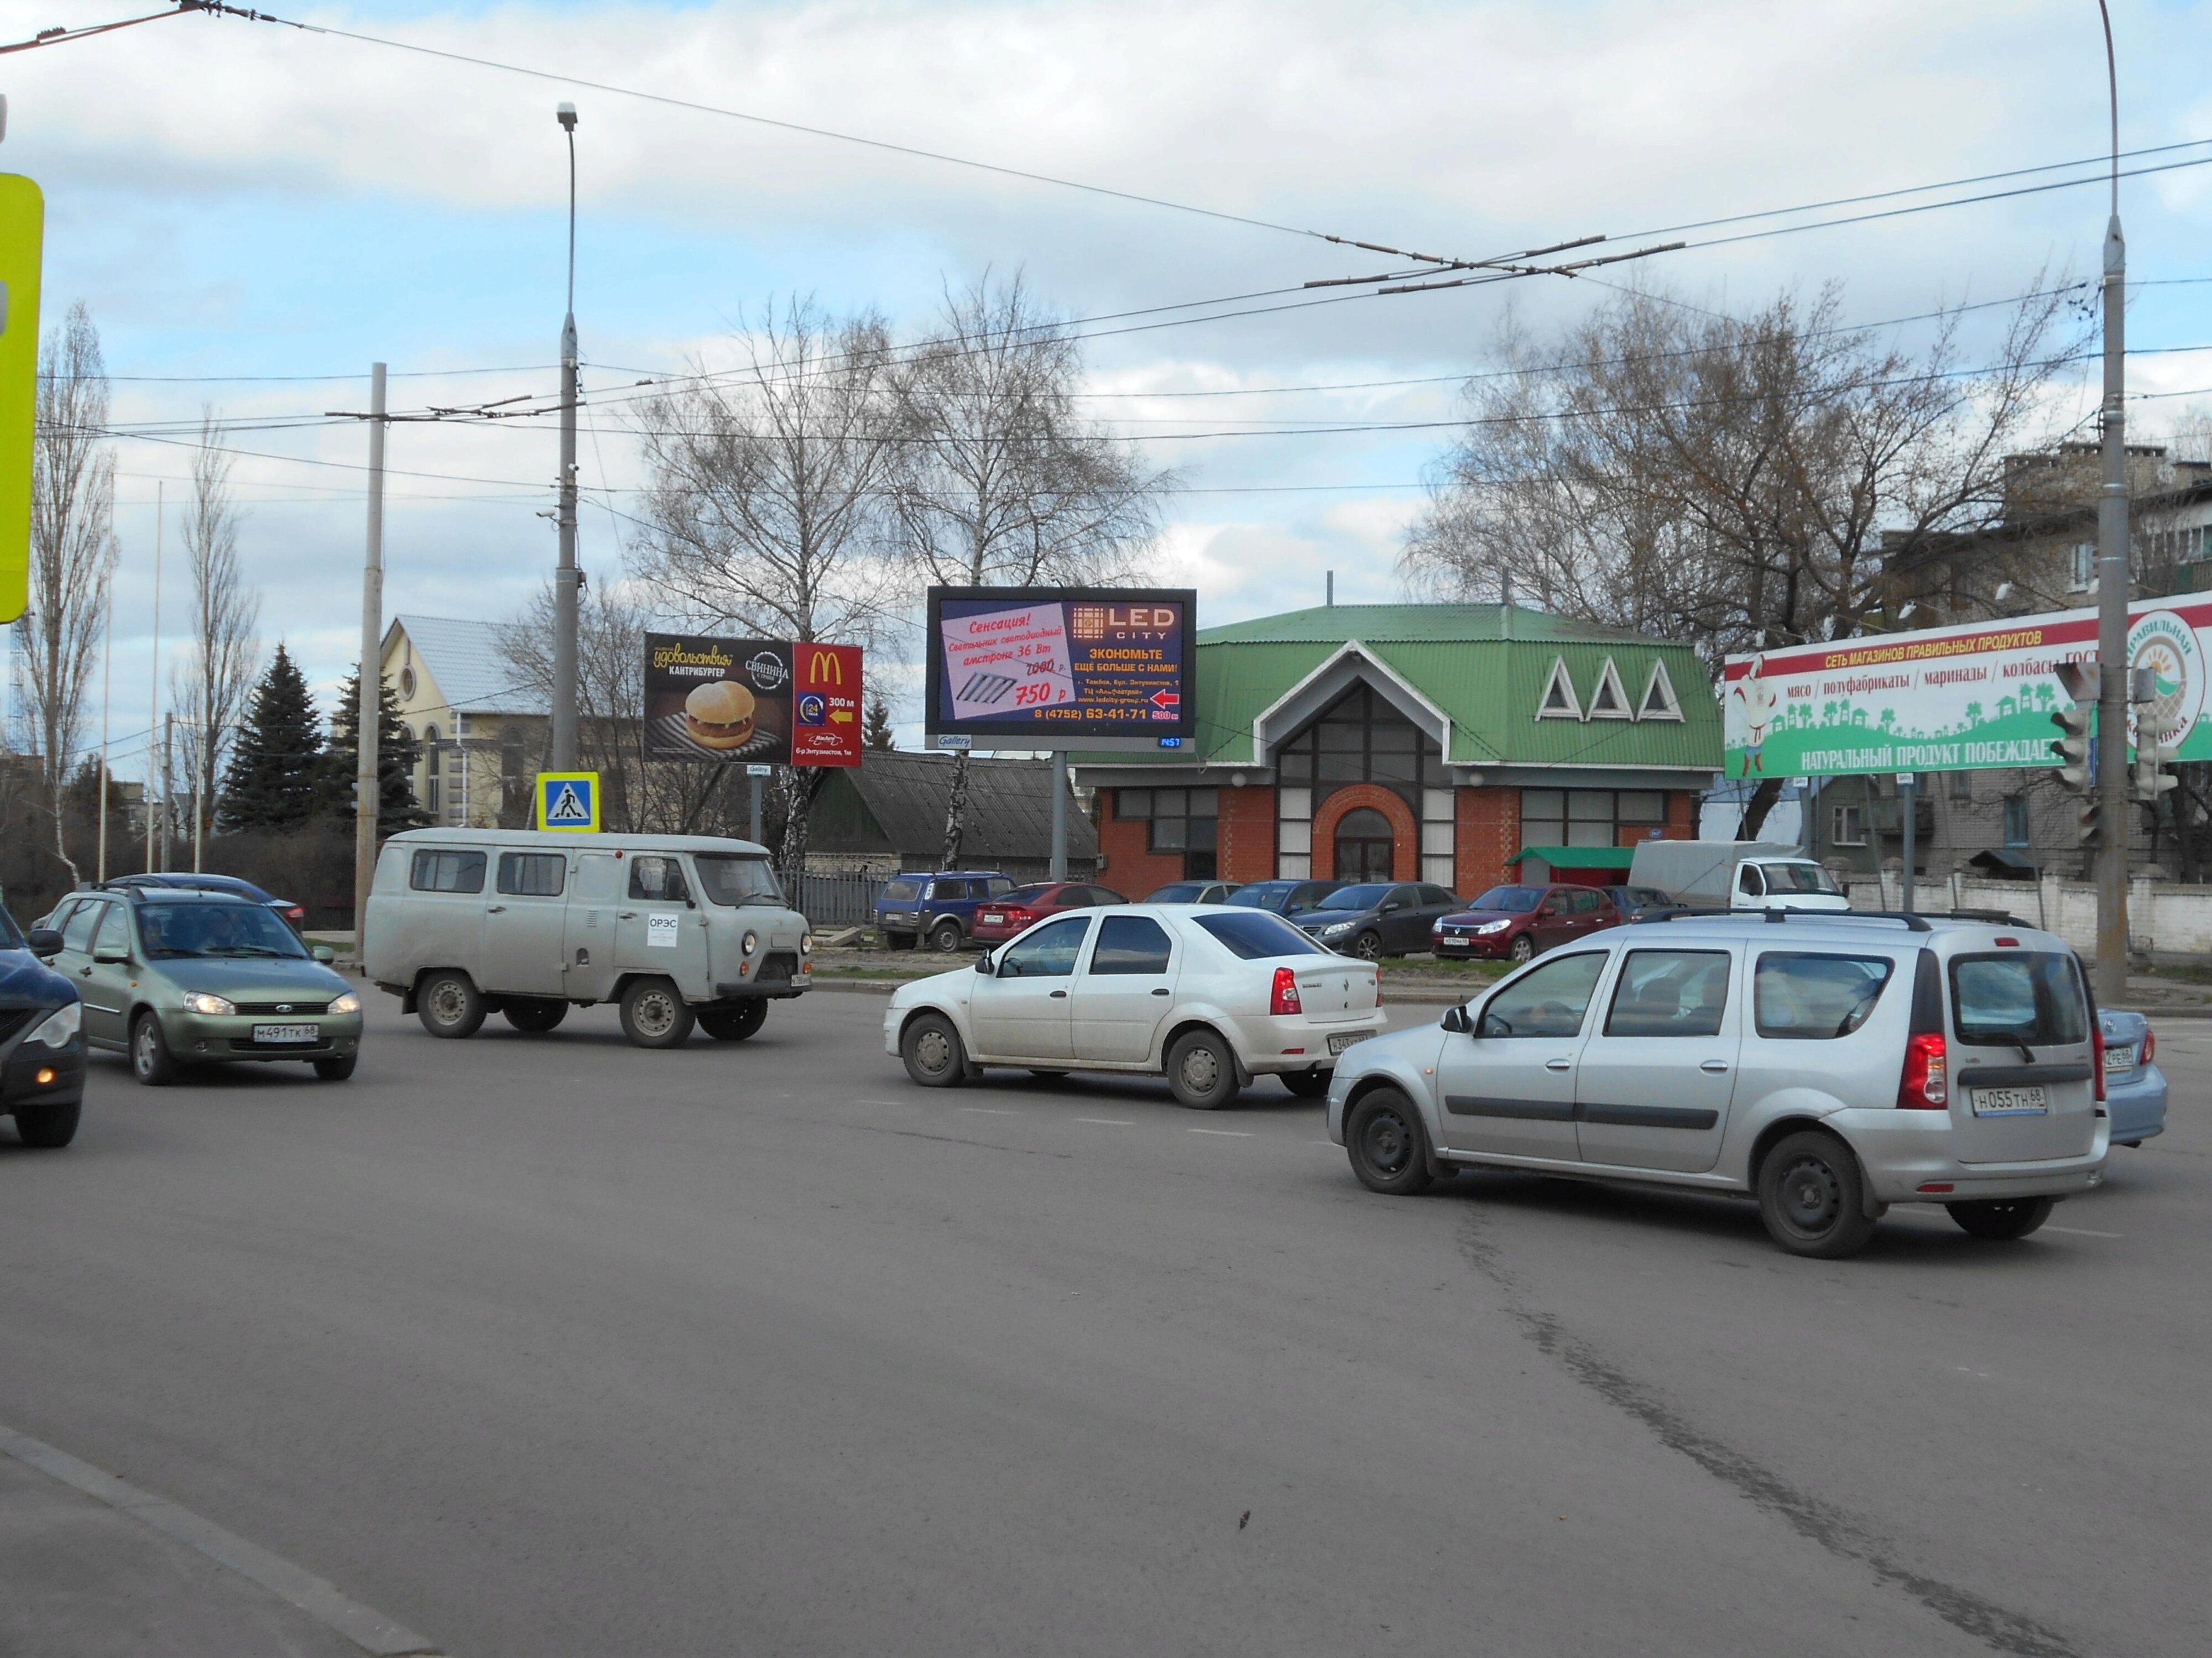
(677, 929)
(1827, 1064)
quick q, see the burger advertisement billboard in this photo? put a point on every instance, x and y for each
(1054, 667)
(758, 699)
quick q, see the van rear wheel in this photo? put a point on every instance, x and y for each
(1813, 1196)
(655, 1015)
(450, 1005)
(735, 1024)
(944, 938)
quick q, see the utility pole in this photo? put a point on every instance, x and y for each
(368, 714)
(168, 784)
(2112, 965)
(154, 701)
(106, 680)
(565, 579)
(1058, 869)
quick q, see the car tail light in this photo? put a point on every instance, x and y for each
(295, 914)
(2097, 1053)
(2149, 1046)
(1016, 916)
(1285, 999)
(1927, 1084)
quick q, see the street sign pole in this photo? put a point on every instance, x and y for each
(1904, 780)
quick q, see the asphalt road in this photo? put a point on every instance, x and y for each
(544, 1345)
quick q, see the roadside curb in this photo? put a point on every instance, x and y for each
(372, 1631)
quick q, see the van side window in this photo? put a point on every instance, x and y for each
(660, 879)
(533, 874)
(1815, 998)
(1670, 992)
(447, 871)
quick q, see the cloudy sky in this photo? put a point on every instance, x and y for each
(254, 213)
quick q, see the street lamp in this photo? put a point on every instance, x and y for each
(565, 578)
(2111, 782)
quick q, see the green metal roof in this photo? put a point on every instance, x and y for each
(1578, 857)
(1485, 667)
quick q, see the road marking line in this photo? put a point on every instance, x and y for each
(1110, 1122)
(2080, 1231)
(372, 1631)
(990, 1111)
(1225, 1134)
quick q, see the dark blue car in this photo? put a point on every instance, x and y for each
(41, 1039)
(939, 908)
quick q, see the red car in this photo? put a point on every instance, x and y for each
(1002, 918)
(1518, 924)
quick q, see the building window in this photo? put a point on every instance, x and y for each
(1177, 821)
(1589, 817)
(1362, 739)
(2015, 825)
(1847, 826)
(430, 769)
(1962, 785)
(1364, 846)
(1294, 835)
(2085, 566)
(1438, 864)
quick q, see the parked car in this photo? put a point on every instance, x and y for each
(1375, 919)
(1284, 897)
(999, 920)
(1518, 924)
(41, 1039)
(1206, 994)
(295, 917)
(2135, 1088)
(1192, 892)
(1827, 1066)
(175, 976)
(1635, 903)
(939, 908)
(675, 929)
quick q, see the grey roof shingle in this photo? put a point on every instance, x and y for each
(465, 658)
(1009, 806)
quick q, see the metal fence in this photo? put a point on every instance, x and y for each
(846, 898)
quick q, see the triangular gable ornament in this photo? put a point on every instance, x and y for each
(1659, 700)
(1559, 701)
(1610, 699)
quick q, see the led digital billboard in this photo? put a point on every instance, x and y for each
(1050, 667)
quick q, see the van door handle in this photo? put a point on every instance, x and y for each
(626, 915)
(1558, 1065)
(495, 909)
(1061, 994)
(1713, 1065)
(1162, 992)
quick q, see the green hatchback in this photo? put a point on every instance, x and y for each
(176, 978)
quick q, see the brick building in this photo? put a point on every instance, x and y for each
(1411, 743)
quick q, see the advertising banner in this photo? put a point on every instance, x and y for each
(1054, 666)
(825, 706)
(22, 233)
(764, 701)
(1954, 699)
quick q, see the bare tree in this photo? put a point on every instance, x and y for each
(2190, 434)
(1001, 482)
(1739, 482)
(767, 488)
(213, 682)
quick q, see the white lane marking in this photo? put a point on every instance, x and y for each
(1110, 1122)
(370, 1631)
(1225, 1134)
(2080, 1231)
(990, 1111)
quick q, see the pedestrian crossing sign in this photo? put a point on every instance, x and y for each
(568, 800)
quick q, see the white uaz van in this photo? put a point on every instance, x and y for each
(677, 928)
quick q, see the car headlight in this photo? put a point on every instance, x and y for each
(59, 1027)
(348, 1003)
(806, 945)
(1493, 926)
(1336, 927)
(199, 1001)
(751, 943)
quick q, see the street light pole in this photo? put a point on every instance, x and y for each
(2112, 779)
(369, 709)
(566, 578)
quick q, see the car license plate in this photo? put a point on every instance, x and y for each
(1345, 1039)
(2010, 1101)
(286, 1033)
(991, 918)
(2120, 1058)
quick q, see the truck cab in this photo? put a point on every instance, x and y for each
(1784, 883)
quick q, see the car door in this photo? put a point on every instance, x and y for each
(1551, 924)
(1126, 989)
(526, 925)
(1021, 1009)
(105, 985)
(1507, 1088)
(1657, 1074)
(75, 959)
(659, 928)
(588, 928)
(1436, 904)
(1399, 920)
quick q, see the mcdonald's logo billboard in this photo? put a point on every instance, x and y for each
(825, 704)
(758, 701)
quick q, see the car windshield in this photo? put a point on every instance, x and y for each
(1261, 895)
(903, 892)
(1799, 877)
(1646, 895)
(1255, 938)
(1514, 901)
(169, 931)
(11, 937)
(729, 879)
(1358, 897)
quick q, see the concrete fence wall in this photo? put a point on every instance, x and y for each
(2168, 923)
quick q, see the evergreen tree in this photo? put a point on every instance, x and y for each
(397, 754)
(275, 780)
(876, 730)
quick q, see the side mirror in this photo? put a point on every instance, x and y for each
(1391, 907)
(45, 941)
(984, 967)
(323, 954)
(1455, 1020)
(111, 957)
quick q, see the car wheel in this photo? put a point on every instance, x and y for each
(1202, 1071)
(1306, 1085)
(932, 1050)
(944, 938)
(1368, 947)
(48, 1127)
(150, 1059)
(1388, 1146)
(450, 1005)
(734, 1024)
(336, 1068)
(535, 1014)
(655, 1015)
(1813, 1196)
(2001, 1218)
(1524, 949)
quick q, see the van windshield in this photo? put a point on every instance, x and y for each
(1799, 877)
(730, 880)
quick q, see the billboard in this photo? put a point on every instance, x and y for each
(763, 701)
(22, 230)
(1967, 698)
(1050, 667)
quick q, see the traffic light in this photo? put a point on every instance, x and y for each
(2089, 831)
(2150, 782)
(2072, 747)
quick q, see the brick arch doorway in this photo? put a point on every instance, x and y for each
(1364, 846)
(1342, 802)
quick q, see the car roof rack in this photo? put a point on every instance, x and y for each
(1913, 923)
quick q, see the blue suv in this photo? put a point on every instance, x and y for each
(939, 908)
